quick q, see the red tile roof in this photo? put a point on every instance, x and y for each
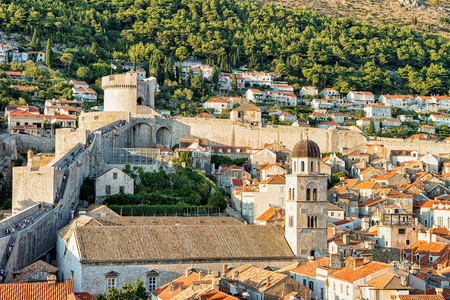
(349, 274)
(309, 269)
(38, 291)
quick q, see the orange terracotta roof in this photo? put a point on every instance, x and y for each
(349, 274)
(164, 292)
(398, 96)
(365, 185)
(425, 247)
(38, 291)
(272, 212)
(276, 179)
(309, 269)
(385, 176)
(330, 123)
(420, 297)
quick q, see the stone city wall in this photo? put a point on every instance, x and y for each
(227, 132)
(423, 146)
(36, 240)
(67, 138)
(41, 144)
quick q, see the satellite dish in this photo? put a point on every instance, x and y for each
(405, 265)
(317, 254)
(233, 290)
(338, 263)
(334, 194)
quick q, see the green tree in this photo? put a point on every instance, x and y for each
(84, 73)
(215, 75)
(371, 130)
(234, 82)
(127, 292)
(48, 53)
(34, 40)
(184, 157)
(181, 53)
(359, 114)
(217, 200)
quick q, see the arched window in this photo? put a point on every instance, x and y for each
(303, 166)
(312, 166)
(318, 167)
(308, 196)
(315, 194)
(293, 194)
(295, 167)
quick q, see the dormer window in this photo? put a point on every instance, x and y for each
(111, 280)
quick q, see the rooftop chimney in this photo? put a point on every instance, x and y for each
(403, 281)
(346, 239)
(235, 274)
(333, 258)
(224, 269)
(201, 274)
(358, 262)
(367, 256)
(51, 280)
(188, 271)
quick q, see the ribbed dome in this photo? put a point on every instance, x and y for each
(306, 148)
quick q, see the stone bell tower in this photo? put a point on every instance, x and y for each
(306, 203)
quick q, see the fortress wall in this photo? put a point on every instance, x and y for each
(41, 144)
(94, 120)
(14, 219)
(226, 132)
(36, 240)
(33, 185)
(67, 138)
(423, 147)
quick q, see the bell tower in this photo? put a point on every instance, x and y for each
(306, 203)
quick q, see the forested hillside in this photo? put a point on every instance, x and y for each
(305, 47)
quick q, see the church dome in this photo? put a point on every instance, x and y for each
(306, 148)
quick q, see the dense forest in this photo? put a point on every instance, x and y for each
(305, 47)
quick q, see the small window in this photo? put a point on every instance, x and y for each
(111, 283)
(311, 285)
(332, 213)
(122, 189)
(291, 221)
(387, 244)
(151, 283)
(417, 256)
(95, 117)
(401, 231)
(114, 175)
(407, 242)
(431, 258)
(108, 190)
(304, 282)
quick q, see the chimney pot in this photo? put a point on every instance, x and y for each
(51, 279)
(346, 239)
(357, 262)
(224, 269)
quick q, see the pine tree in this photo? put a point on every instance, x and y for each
(34, 40)
(215, 75)
(179, 74)
(234, 82)
(190, 78)
(48, 53)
